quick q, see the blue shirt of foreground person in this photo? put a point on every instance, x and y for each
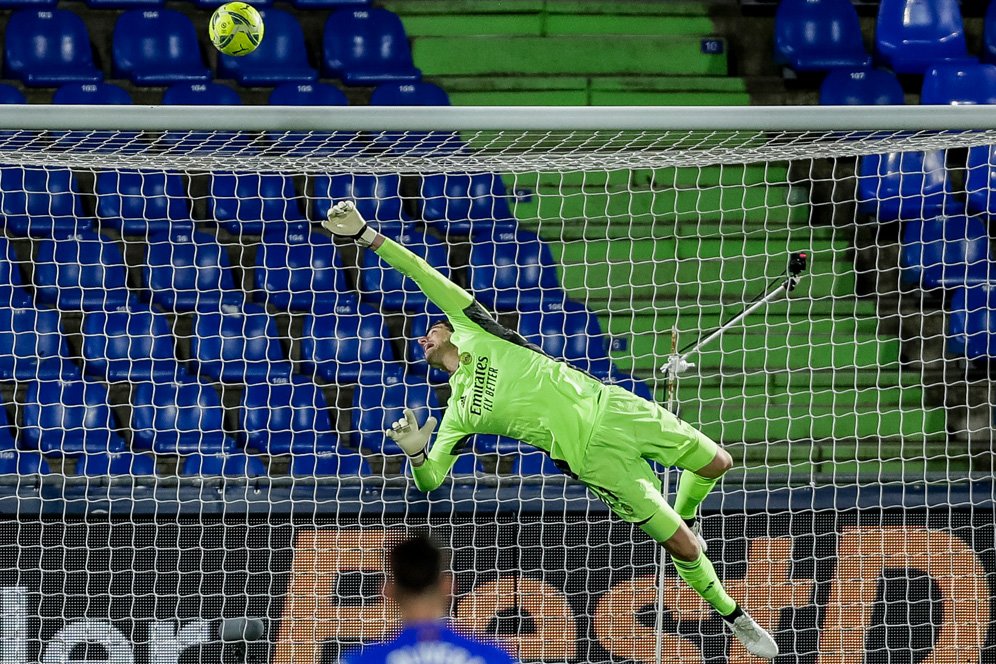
(422, 591)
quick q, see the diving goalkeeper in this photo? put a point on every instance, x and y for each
(601, 434)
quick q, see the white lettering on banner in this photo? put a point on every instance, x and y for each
(98, 632)
(14, 631)
(433, 652)
(165, 646)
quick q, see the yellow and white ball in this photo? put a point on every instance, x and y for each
(236, 28)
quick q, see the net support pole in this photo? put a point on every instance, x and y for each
(672, 385)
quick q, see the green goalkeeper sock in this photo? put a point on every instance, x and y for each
(692, 490)
(701, 576)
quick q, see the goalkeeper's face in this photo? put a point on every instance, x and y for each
(436, 345)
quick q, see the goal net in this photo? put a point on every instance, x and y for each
(196, 377)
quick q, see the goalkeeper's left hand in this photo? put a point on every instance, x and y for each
(411, 438)
(344, 220)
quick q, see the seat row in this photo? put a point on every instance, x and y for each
(960, 83)
(160, 47)
(910, 35)
(204, 4)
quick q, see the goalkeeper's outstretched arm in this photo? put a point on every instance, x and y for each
(429, 467)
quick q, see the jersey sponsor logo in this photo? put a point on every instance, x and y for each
(433, 652)
(482, 393)
(466, 358)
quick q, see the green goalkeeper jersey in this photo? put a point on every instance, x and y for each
(504, 385)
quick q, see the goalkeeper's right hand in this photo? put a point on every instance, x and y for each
(345, 221)
(410, 437)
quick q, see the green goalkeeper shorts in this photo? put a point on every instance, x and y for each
(630, 432)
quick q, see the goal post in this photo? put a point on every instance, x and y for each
(195, 376)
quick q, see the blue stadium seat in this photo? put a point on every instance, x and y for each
(459, 201)
(12, 292)
(980, 179)
(13, 462)
(377, 197)
(178, 418)
(11, 95)
(946, 252)
(367, 47)
(510, 269)
(103, 464)
(418, 325)
(390, 289)
(91, 93)
(912, 35)
(40, 201)
(201, 94)
(141, 202)
(28, 4)
(339, 346)
(491, 444)
(307, 94)
(280, 58)
(69, 417)
(213, 4)
(377, 406)
(125, 4)
(287, 418)
(341, 463)
(959, 83)
(47, 48)
(534, 463)
(414, 142)
(82, 272)
(233, 465)
(328, 4)
(133, 344)
(301, 277)
(467, 463)
(239, 345)
(818, 35)
(905, 186)
(157, 47)
(574, 336)
(32, 345)
(972, 322)
(989, 34)
(245, 203)
(861, 87)
(188, 270)
(409, 94)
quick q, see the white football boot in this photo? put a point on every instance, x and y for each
(754, 637)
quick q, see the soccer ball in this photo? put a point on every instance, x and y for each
(236, 28)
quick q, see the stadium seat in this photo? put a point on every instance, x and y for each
(287, 418)
(244, 203)
(377, 197)
(28, 4)
(338, 347)
(960, 83)
(134, 344)
(329, 4)
(409, 94)
(414, 142)
(972, 323)
(905, 186)
(103, 464)
(367, 47)
(200, 94)
(188, 270)
(82, 272)
(532, 462)
(980, 179)
(491, 444)
(48, 48)
(233, 465)
(418, 325)
(913, 35)
(33, 345)
(818, 35)
(510, 269)
(40, 201)
(459, 201)
(307, 94)
(377, 406)
(11, 95)
(12, 293)
(178, 418)
(125, 4)
(141, 202)
(861, 87)
(69, 417)
(280, 58)
(946, 252)
(989, 34)
(391, 290)
(91, 93)
(239, 345)
(157, 47)
(300, 277)
(14, 462)
(341, 463)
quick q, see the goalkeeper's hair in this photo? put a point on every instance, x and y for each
(445, 322)
(416, 564)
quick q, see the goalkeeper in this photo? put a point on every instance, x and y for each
(601, 434)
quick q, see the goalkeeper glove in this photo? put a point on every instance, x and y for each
(410, 438)
(345, 221)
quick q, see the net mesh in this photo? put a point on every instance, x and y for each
(191, 363)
